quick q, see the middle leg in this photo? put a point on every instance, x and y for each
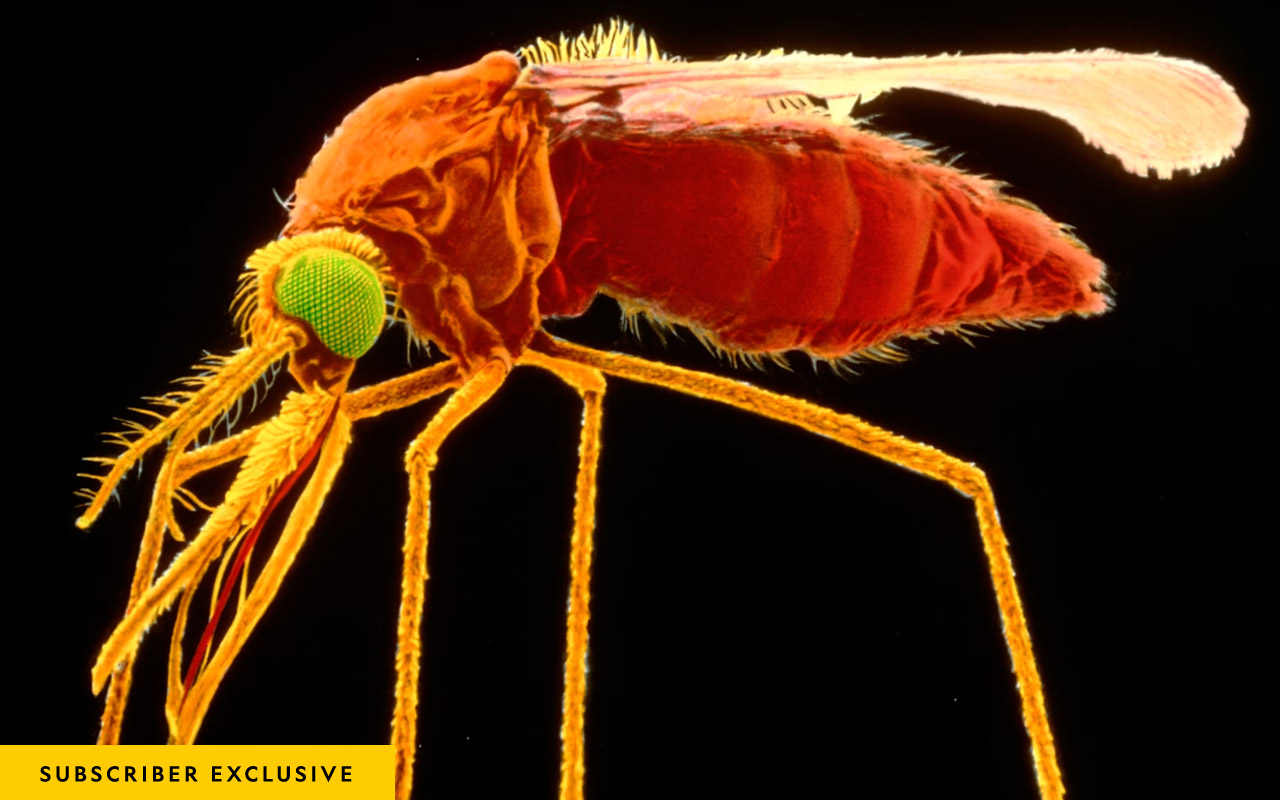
(589, 383)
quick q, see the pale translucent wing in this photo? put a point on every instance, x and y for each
(1150, 111)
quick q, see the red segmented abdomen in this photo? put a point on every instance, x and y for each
(829, 241)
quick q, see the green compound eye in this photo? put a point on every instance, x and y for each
(338, 295)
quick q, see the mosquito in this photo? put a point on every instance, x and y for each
(736, 199)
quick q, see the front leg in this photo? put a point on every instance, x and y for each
(419, 461)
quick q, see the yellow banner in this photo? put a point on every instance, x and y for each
(350, 772)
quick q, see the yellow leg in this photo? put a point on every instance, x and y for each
(419, 461)
(188, 465)
(187, 570)
(589, 383)
(853, 432)
(401, 392)
(230, 378)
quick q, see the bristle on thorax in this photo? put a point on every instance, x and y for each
(620, 40)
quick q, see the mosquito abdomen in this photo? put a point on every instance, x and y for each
(828, 239)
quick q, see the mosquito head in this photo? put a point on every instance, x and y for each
(332, 283)
(337, 295)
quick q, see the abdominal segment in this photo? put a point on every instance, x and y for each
(829, 240)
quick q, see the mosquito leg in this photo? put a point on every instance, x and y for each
(185, 572)
(301, 519)
(397, 393)
(143, 575)
(366, 402)
(188, 465)
(853, 432)
(370, 401)
(419, 461)
(203, 459)
(173, 697)
(590, 384)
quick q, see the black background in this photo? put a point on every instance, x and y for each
(774, 615)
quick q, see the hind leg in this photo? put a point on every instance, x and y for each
(965, 478)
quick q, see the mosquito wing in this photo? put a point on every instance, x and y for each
(1150, 111)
